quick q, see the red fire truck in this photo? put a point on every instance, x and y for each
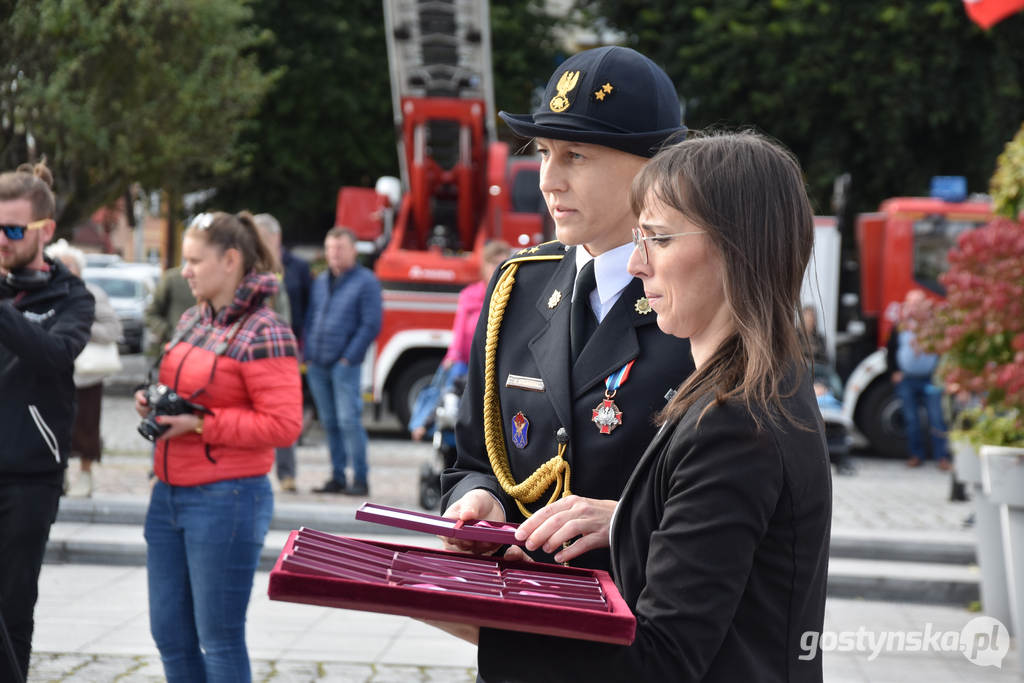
(900, 247)
(459, 188)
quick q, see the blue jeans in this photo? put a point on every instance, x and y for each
(916, 392)
(202, 548)
(339, 403)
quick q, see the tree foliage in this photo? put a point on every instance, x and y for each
(523, 43)
(121, 91)
(893, 92)
(325, 123)
(328, 121)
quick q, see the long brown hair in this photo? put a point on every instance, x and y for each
(747, 192)
(235, 231)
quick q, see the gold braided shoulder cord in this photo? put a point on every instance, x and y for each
(554, 471)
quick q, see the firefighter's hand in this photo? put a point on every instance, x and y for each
(477, 504)
(141, 407)
(588, 520)
(516, 553)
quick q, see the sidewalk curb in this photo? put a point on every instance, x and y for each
(332, 517)
(918, 567)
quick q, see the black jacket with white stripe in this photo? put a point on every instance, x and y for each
(43, 328)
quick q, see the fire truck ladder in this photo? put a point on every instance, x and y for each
(439, 49)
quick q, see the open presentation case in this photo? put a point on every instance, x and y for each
(318, 568)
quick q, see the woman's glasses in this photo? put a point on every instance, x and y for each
(640, 240)
(17, 232)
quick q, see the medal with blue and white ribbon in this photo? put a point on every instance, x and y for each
(607, 415)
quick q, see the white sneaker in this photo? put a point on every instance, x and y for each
(82, 488)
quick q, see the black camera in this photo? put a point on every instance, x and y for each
(162, 400)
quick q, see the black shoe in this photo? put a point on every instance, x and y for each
(332, 486)
(357, 489)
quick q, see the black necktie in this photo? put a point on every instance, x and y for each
(583, 322)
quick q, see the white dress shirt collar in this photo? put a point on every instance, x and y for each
(610, 273)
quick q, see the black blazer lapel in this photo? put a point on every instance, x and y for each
(550, 348)
(614, 342)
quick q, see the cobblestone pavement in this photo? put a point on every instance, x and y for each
(102, 668)
(884, 494)
(98, 638)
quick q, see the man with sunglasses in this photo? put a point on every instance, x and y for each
(45, 316)
(569, 366)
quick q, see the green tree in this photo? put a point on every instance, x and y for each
(893, 92)
(122, 91)
(328, 121)
(525, 54)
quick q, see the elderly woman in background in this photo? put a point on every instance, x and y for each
(86, 441)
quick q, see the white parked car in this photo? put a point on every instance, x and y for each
(130, 287)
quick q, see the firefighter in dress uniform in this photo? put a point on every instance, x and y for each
(569, 365)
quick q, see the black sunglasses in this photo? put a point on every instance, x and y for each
(17, 232)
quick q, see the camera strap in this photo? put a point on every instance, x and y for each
(178, 336)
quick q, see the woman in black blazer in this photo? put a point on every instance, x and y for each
(720, 541)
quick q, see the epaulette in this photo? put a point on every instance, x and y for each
(548, 251)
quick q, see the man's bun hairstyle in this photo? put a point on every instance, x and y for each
(33, 182)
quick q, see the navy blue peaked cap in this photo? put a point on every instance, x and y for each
(611, 96)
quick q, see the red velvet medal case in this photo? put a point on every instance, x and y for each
(318, 568)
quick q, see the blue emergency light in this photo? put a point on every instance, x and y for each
(951, 188)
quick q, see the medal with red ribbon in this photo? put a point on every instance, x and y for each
(607, 415)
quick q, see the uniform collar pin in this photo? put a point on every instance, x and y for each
(642, 306)
(554, 299)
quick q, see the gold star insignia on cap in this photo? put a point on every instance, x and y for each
(607, 88)
(555, 297)
(599, 94)
(642, 306)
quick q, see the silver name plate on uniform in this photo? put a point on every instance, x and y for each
(528, 383)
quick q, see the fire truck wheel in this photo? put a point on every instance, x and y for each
(880, 419)
(413, 377)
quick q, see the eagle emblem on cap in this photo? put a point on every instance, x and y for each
(567, 82)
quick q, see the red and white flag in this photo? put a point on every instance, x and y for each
(987, 13)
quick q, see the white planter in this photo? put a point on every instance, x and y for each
(966, 461)
(1002, 478)
(1002, 474)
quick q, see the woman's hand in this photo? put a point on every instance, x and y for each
(180, 424)
(477, 504)
(141, 406)
(553, 525)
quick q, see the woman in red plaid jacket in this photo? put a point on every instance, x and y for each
(236, 362)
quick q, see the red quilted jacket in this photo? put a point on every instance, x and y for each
(252, 387)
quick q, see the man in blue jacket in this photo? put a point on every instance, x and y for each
(342, 320)
(45, 316)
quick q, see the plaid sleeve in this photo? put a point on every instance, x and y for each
(265, 335)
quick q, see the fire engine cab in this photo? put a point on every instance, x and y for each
(459, 188)
(900, 247)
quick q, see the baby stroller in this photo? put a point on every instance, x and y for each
(444, 395)
(828, 388)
